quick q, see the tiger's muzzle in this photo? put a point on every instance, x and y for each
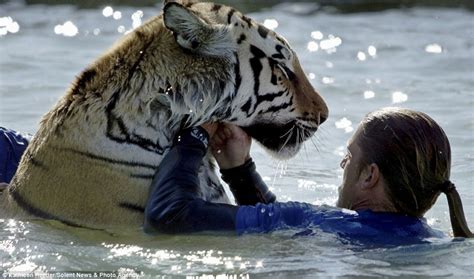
(283, 139)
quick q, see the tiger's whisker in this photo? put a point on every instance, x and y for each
(287, 139)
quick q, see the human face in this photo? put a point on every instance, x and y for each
(350, 190)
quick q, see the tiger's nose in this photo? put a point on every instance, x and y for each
(322, 117)
(323, 112)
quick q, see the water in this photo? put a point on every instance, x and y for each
(417, 58)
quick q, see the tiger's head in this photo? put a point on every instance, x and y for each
(262, 87)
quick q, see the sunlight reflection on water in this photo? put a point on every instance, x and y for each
(409, 55)
(108, 11)
(313, 46)
(68, 29)
(399, 97)
(344, 124)
(330, 44)
(372, 51)
(433, 48)
(8, 25)
(271, 24)
(369, 94)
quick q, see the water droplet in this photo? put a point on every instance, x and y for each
(263, 210)
(96, 31)
(329, 64)
(121, 29)
(311, 76)
(270, 214)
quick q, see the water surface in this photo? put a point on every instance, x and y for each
(416, 58)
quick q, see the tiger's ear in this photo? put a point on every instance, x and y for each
(194, 34)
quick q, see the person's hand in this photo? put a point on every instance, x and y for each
(230, 146)
(211, 128)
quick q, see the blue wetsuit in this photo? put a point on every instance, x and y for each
(12, 146)
(174, 205)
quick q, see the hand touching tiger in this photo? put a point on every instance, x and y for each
(230, 146)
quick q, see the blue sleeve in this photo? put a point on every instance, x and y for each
(174, 205)
(274, 216)
(12, 146)
(247, 185)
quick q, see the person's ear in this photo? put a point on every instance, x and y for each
(370, 176)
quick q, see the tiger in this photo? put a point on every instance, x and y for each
(93, 158)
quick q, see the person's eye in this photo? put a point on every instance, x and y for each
(344, 161)
(342, 164)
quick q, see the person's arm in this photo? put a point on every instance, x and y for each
(247, 185)
(174, 205)
(12, 147)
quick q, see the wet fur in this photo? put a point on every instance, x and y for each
(92, 159)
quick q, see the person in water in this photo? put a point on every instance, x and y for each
(397, 164)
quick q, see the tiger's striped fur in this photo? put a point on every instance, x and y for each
(93, 158)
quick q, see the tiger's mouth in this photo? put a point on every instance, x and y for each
(283, 140)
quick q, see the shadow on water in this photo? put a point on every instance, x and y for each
(344, 6)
